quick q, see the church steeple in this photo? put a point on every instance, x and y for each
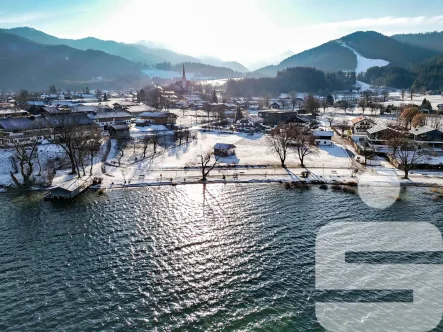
(184, 82)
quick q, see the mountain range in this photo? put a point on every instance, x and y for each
(33, 59)
(29, 65)
(338, 54)
(141, 52)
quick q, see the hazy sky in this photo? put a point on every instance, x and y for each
(242, 30)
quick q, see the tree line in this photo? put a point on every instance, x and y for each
(427, 74)
(305, 79)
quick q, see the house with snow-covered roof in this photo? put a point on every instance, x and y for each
(13, 113)
(323, 137)
(36, 129)
(432, 138)
(159, 118)
(137, 110)
(224, 149)
(112, 118)
(251, 122)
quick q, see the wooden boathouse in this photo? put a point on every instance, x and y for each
(72, 188)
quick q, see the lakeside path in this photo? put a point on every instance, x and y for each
(250, 174)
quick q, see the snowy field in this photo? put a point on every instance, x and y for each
(250, 150)
(45, 153)
(416, 99)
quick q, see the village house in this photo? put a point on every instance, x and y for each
(224, 150)
(48, 110)
(300, 120)
(13, 113)
(275, 117)
(36, 129)
(361, 124)
(378, 138)
(375, 141)
(192, 101)
(122, 105)
(112, 118)
(51, 96)
(61, 103)
(6, 105)
(88, 96)
(275, 104)
(159, 118)
(35, 103)
(87, 109)
(251, 122)
(323, 137)
(137, 110)
(119, 131)
(432, 138)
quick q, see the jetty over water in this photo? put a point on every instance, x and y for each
(71, 188)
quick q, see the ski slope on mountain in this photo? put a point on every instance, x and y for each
(363, 64)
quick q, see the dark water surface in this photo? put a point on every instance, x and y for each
(231, 258)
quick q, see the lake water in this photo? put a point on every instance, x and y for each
(185, 258)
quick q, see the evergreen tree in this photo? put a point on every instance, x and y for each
(105, 97)
(238, 114)
(426, 104)
(330, 100)
(214, 97)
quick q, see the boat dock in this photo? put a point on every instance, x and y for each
(72, 188)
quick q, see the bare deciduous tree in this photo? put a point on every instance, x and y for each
(385, 94)
(362, 104)
(331, 120)
(303, 142)
(91, 147)
(435, 121)
(24, 154)
(280, 140)
(343, 125)
(69, 134)
(206, 160)
(407, 152)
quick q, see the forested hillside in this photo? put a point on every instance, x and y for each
(430, 40)
(300, 79)
(25, 64)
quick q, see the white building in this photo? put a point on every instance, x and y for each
(112, 118)
(323, 137)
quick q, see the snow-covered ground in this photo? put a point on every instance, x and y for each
(45, 153)
(416, 99)
(250, 150)
(363, 64)
(363, 86)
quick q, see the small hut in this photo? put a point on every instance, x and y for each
(224, 150)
